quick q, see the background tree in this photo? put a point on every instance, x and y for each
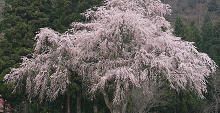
(215, 47)
(194, 35)
(20, 22)
(65, 12)
(207, 32)
(180, 29)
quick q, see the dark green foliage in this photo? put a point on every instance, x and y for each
(191, 33)
(180, 29)
(62, 15)
(194, 35)
(207, 32)
(21, 19)
(12, 99)
(211, 38)
(216, 30)
(214, 50)
(87, 103)
(65, 12)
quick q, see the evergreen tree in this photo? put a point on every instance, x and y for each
(194, 35)
(207, 32)
(214, 50)
(65, 12)
(180, 29)
(216, 32)
(21, 19)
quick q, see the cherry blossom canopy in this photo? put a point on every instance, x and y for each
(124, 42)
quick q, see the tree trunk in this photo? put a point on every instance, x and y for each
(25, 99)
(78, 99)
(216, 107)
(216, 104)
(25, 104)
(215, 96)
(68, 102)
(115, 109)
(95, 109)
(107, 102)
(124, 107)
(64, 103)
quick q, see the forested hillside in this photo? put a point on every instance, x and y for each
(56, 58)
(190, 10)
(2, 4)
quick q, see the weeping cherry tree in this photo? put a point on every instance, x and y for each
(126, 44)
